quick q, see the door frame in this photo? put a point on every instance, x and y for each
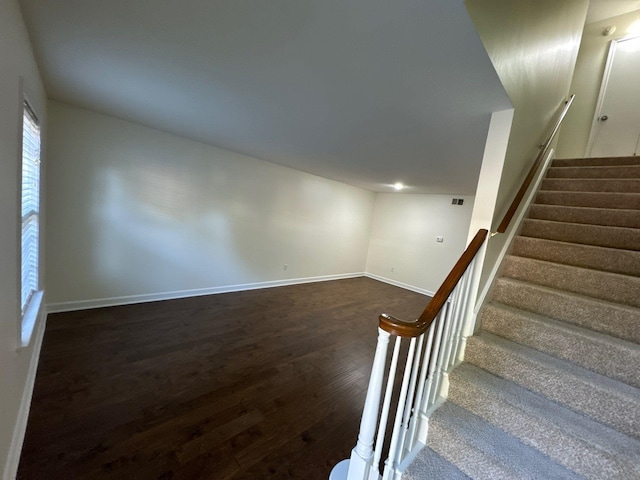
(603, 88)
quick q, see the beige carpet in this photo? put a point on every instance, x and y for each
(550, 386)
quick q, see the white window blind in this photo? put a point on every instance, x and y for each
(30, 205)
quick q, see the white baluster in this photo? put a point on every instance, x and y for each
(411, 396)
(463, 288)
(446, 339)
(440, 320)
(374, 472)
(469, 319)
(466, 306)
(439, 355)
(391, 463)
(362, 454)
(421, 387)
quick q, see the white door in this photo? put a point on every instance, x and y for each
(616, 128)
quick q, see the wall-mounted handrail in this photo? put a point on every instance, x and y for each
(403, 328)
(529, 178)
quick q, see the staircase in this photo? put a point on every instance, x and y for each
(550, 385)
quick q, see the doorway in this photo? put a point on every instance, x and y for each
(615, 131)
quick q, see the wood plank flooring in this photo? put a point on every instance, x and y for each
(250, 385)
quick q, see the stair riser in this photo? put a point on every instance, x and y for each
(461, 453)
(589, 199)
(611, 237)
(598, 162)
(485, 451)
(596, 353)
(626, 262)
(621, 171)
(592, 185)
(590, 216)
(593, 400)
(429, 464)
(603, 285)
(610, 319)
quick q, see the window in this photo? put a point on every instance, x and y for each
(29, 295)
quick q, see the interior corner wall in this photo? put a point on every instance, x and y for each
(17, 365)
(533, 46)
(403, 249)
(592, 58)
(137, 214)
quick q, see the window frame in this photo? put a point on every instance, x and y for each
(30, 307)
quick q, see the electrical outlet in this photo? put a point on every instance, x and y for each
(393, 269)
(285, 267)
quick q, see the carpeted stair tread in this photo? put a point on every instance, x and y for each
(596, 161)
(604, 399)
(615, 260)
(595, 171)
(630, 185)
(589, 199)
(594, 351)
(612, 287)
(613, 319)
(614, 217)
(613, 237)
(429, 464)
(573, 440)
(481, 450)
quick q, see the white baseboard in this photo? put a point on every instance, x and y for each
(406, 286)
(17, 439)
(152, 297)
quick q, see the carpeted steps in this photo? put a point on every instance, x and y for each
(550, 386)
(604, 171)
(613, 319)
(612, 287)
(595, 351)
(593, 216)
(606, 259)
(604, 236)
(589, 199)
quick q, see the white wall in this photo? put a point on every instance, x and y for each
(587, 79)
(533, 46)
(403, 247)
(136, 214)
(17, 366)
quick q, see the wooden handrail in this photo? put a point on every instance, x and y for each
(404, 328)
(529, 178)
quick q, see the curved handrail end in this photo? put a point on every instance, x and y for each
(398, 326)
(403, 328)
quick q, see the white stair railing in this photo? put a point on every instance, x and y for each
(433, 346)
(445, 323)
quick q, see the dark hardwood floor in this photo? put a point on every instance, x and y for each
(250, 385)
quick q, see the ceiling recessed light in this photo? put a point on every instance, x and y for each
(398, 186)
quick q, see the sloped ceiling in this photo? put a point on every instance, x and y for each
(366, 92)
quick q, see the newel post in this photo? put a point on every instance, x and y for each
(362, 454)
